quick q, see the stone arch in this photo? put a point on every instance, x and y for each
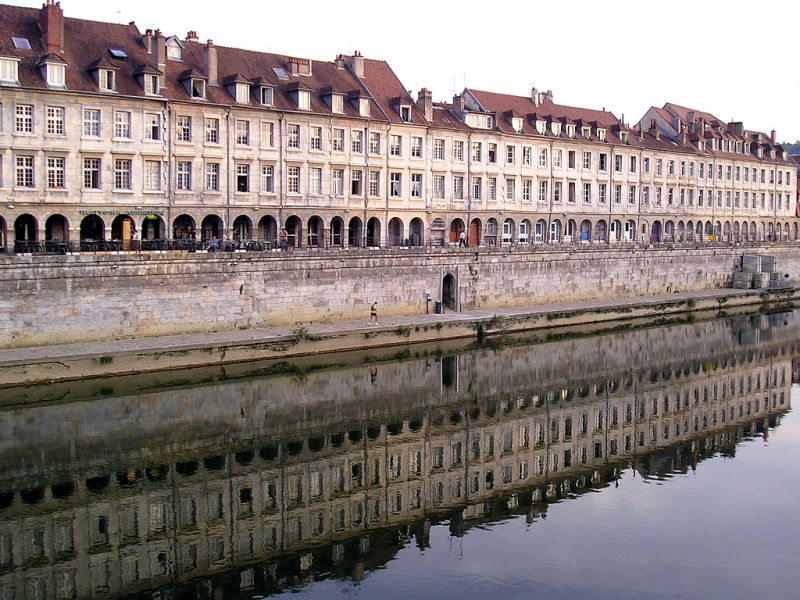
(122, 228)
(786, 232)
(26, 229)
(355, 232)
(681, 231)
(794, 232)
(669, 231)
(474, 235)
(211, 227)
(761, 236)
(570, 231)
(294, 230)
(655, 232)
(456, 227)
(770, 231)
(268, 229)
(315, 232)
(555, 231)
(242, 228)
(753, 231)
(416, 232)
(396, 229)
(491, 232)
(615, 231)
(3, 235)
(56, 228)
(336, 233)
(449, 292)
(726, 231)
(586, 230)
(183, 227)
(524, 234)
(153, 228)
(689, 231)
(509, 231)
(540, 231)
(736, 232)
(600, 231)
(374, 232)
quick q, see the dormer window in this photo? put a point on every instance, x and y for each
(198, 88)
(405, 114)
(516, 123)
(151, 84)
(784, 154)
(571, 131)
(772, 154)
(363, 107)
(303, 99)
(266, 95)
(174, 48)
(760, 153)
(540, 126)
(747, 147)
(242, 93)
(555, 128)
(9, 71)
(623, 136)
(701, 145)
(106, 80)
(54, 70)
(337, 103)
(586, 132)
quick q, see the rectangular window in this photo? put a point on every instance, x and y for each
(395, 146)
(632, 194)
(416, 147)
(184, 133)
(122, 173)
(316, 180)
(659, 167)
(492, 195)
(242, 177)
(646, 194)
(587, 160)
(374, 143)
(91, 122)
(477, 150)
(571, 160)
(602, 193)
(337, 178)
(293, 180)
(55, 120)
(617, 194)
(212, 131)
(152, 175)
(357, 141)
(374, 183)
(152, 126)
(458, 187)
(315, 138)
(268, 134)
(293, 136)
(243, 132)
(184, 176)
(458, 150)
(557, 158)
(587, 192)
(618, 163)
(476, 188)
(151, 85)
(416, 185)
(91, 173)
(526, 156)
(510, 189)
(543, 157)
(395, 184)
(23, 122)
(659, 193)
(24, 177)
(267, 179)
(556, 191)
(212, 177)
(646, 165)
(438, 187)
(438, 149)
(527, 190)
(543, 191)
(571, 193)
(356, 182)
(633, 164)
(492, 153)
(603, 162)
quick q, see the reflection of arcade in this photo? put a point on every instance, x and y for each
(325, 493)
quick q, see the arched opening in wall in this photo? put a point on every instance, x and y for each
(92, 229)
(524, 235)
(268, 229)
(355, 233)
(555, 231)
(717, 231)
(315, 232)
(794, 232)
(336, 233)
(600, 231)
(737, 236)
(242, 228)
(726, 231)
(778, 232)
(709, 231)
(569, 232)
(3, 235)
(56, 229)
(655, 232)
(449, 292)
(753, 231)
(681, 231)
(25, 231)
(395, 232)
(416, 232)
(669, 231)
(508, 231)
(616, 230)
(490, 235)
(211, 227)
(644, 231)
(122, 228)
(630, 231)
(540, 231)
(770, 232)
(456, 227)
(374, 233)
(184, 228)
(586, 230)
(153, 228)
(786, 232)
(698, 231)
(474, 236)
(689, 231)
(294, 229)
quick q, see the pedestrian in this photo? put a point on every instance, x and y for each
(373, 314)
(462, 239)
(135, 241)
(283, 239)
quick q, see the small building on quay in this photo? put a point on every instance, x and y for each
(109, 133)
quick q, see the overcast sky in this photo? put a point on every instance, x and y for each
(732, 59)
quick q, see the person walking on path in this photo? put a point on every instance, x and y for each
(373, 314)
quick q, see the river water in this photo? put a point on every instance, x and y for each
(649, 462)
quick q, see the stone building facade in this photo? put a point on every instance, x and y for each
(107, 131)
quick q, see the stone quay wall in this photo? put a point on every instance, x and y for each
(63, 299)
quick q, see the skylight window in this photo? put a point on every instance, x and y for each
(118, 53)
(21, 43)
(281, 73)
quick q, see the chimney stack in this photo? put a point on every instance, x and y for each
(211, 62)
(535, 97)
(339, 61)
(158, 51)
(772, 137)
(51, 20)
(425, 103)
(356, 64)
(458, 106)
(148, 40)
(191, 36)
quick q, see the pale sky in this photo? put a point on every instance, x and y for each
(733, 59)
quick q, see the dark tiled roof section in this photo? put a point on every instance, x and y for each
(384, 87)
(445, 118)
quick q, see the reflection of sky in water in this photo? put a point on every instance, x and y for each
(729, 530)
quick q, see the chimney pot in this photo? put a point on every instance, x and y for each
(772, 136)
(425, 103)
(51, 21)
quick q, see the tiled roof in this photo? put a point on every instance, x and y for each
(385, 88)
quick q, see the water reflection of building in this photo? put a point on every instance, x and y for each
(483, 429)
